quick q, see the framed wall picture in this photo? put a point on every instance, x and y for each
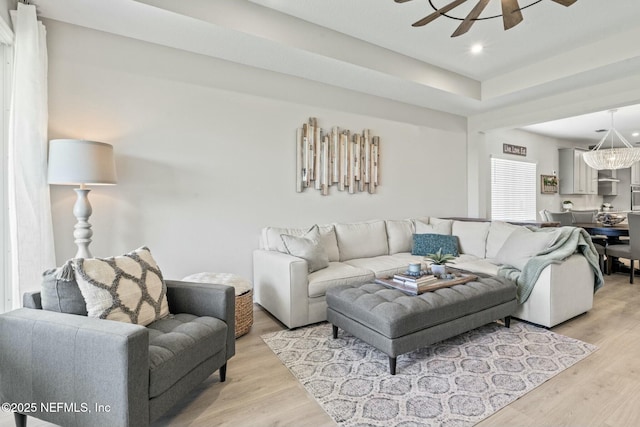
(548, 184)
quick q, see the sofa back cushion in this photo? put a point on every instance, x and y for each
(442, 225)
(362, 240)
(399, 234)
(472, 237)
(271, 240)
(499, 232)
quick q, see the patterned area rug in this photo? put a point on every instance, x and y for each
(457, 382)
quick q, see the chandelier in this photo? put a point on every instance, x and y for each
(612, 158)
(511, 13)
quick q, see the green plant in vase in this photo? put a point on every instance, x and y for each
(438, 261)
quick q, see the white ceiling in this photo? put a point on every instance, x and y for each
(369, 46)
(626, 120)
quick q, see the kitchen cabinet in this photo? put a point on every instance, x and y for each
(576, 177)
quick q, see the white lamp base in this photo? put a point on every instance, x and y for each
(82, 230)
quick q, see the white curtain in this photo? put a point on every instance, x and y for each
(30, 225)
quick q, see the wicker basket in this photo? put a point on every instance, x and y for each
(244, 313)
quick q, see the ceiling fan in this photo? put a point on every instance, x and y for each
(511, 13)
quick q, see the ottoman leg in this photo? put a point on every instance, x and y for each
(335, 331)
(223, 373)
(392, 365)
(507, 321)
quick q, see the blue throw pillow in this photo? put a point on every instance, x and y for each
(424, 244)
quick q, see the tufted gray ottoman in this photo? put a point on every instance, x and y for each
(396, 323)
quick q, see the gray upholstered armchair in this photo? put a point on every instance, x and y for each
(74, 370)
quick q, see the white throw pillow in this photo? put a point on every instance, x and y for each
(522, 245)
(127, 288)
(442, 227)
(307, 247)
(271, 239)
(499, 232)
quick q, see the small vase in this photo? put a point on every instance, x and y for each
(438, 270)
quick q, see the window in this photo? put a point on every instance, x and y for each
(513, 190)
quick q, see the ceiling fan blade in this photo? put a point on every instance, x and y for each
(565, 2)
(404, 1)
(470, 19)
(438, 13)
(511, 13)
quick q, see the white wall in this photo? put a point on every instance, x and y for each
(541, 150)
(205, 151)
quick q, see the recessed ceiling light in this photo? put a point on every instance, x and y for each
(635, 134)
(476, 48)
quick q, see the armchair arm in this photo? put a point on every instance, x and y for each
(48, 359)
(205, 299)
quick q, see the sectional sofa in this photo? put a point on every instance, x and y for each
(360, 252)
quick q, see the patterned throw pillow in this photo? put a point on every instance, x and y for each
(127, 288)
(424, 244)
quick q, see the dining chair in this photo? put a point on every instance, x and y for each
(564, 218)
(588, 216)
(630, 251)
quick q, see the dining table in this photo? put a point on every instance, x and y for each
(613, 232)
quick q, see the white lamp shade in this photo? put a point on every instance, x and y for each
(75, 161)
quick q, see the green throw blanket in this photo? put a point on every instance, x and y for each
(570, 240)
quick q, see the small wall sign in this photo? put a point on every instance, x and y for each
(518, 150)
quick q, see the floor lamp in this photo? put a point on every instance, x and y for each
(79, 162)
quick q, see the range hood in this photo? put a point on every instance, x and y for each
(607, 176)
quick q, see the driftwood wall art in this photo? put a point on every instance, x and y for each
(349, 160)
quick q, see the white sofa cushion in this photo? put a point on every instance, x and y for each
(442, 227)
(475, 265)
(472, 236)
(523, 244)
(399, 234)
(383, 266)
(271, 239)
(338, 273)
(498, 233)
(441, 224)
(362, 240)
(307, 247)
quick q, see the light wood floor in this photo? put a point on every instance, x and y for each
(602, 390)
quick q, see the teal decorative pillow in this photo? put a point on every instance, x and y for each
(424, 244)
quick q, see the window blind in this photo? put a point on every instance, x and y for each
(513, 190)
